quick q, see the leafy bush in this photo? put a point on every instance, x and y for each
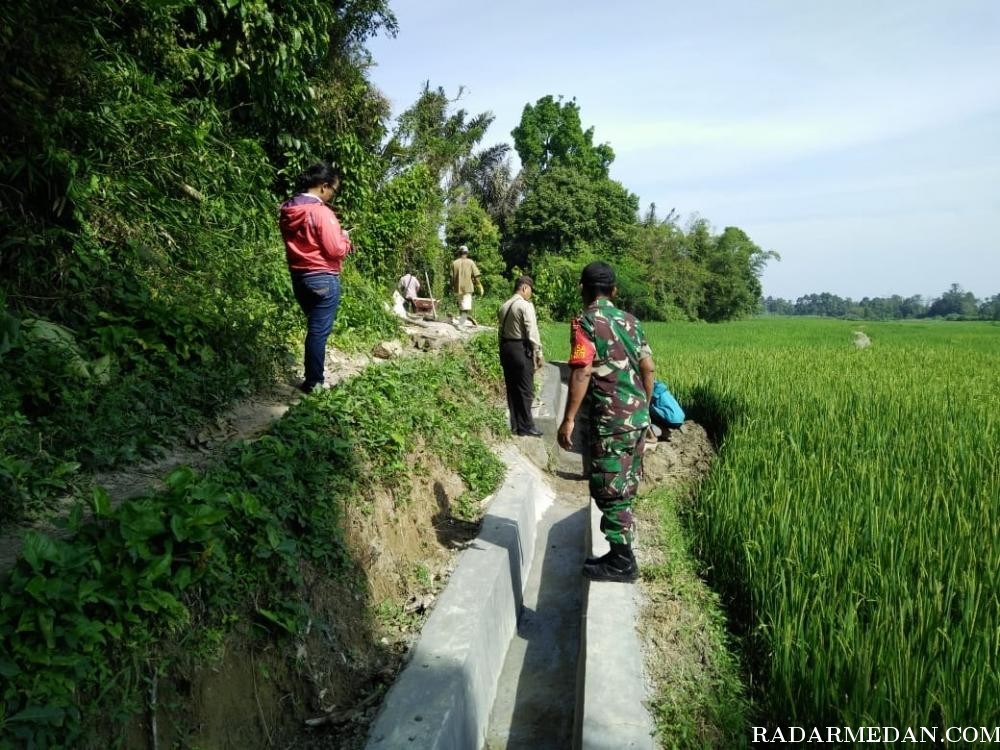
(142, 281)
(216, 550)
(557, 284)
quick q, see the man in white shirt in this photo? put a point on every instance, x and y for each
(409, 287)
(520, 355)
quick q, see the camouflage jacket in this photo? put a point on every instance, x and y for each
(613, 342)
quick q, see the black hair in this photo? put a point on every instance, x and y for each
(524, 281)
(318, 174)
(590, 293)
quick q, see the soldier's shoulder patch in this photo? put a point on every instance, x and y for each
(581, 348)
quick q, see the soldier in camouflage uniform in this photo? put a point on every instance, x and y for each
(612, 369)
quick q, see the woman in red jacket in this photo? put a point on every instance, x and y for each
(315, 247)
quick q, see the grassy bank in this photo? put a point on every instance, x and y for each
(700, 699)
(86, 621)
(75, 404)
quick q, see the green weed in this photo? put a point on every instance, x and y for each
(222, 551)
(700, 699)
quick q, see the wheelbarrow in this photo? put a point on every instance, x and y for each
(425, 307)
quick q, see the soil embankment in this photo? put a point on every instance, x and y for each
(247, 419)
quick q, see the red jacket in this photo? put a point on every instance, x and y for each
(313, 238)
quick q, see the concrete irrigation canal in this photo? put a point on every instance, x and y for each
(521, 651)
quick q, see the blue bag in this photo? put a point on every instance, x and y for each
(664, 409)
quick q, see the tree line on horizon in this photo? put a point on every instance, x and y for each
(954, 304)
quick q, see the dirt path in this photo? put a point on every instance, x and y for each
(205, 444)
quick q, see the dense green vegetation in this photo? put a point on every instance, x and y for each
(143, 147)
(851, 520)
(572, 212)
(953, 304)
(87, 621)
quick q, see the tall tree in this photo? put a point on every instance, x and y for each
(489, 178)
(661, 279)
(955, 302)
(777, 306)
(990, 308)
(435, 146)
(564, 210)
(550, 134)
(568, 202)
(429, 132)
(734, 264)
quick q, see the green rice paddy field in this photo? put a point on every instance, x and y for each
(852, 520)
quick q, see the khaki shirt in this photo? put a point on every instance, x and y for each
(464, 275)
(521, 323)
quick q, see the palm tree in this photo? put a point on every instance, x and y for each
(426, 133)
(488, 177)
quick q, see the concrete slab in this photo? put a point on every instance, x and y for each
(444, 696)
(613, 687)
(475, 658)
(548, 408)
(535, 705)
(534, 449)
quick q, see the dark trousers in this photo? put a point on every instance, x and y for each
(318, 295)
(519, 375)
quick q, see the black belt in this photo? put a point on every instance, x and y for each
(507, 341)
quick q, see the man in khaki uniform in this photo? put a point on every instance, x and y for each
(465, 276)
(520, 355)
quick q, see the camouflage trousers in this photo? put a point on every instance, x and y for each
(615, 471)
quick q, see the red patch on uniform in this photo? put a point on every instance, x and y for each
(581, 348)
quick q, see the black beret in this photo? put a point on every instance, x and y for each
(598, 273)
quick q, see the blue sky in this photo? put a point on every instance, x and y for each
(860, 140)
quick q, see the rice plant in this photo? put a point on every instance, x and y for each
(853, 516)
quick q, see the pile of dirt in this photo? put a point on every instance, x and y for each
(681, 457)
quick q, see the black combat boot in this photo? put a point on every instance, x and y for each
(617, 565)
(593, 560)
